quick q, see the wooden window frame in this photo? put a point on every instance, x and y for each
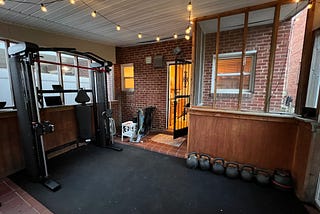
(123, 78)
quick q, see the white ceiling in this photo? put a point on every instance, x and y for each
(150, 17)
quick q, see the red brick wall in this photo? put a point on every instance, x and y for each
(150, 86)
(259, 39)
(295, 54)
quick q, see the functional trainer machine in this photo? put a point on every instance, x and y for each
(22, 58)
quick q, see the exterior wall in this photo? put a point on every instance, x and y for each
(259, 39)
(295, 54)
(150, 84)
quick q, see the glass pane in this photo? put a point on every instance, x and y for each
(84, 74)
(5, 92)
(128, 72)
(287, 58)
(49, 76)
(228, 82)
(128, 83)
(67, 59)
(48, 56)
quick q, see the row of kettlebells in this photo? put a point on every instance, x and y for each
(279, 178)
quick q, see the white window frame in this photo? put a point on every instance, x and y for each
(253, 54)
(122, 76)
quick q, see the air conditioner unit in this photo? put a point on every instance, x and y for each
(317, 199)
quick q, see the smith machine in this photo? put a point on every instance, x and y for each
(22, 58)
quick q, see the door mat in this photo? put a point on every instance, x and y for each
(168, 139)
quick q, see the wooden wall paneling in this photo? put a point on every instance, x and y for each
(301, 154)
(263, 141)
(66, 130)
(11, 154)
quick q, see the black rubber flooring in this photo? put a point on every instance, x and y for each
(97, 180)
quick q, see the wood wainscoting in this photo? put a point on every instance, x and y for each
(264, 140)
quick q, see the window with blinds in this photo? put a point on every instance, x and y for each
(127, 71)
(229, 70)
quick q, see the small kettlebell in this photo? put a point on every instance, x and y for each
(192, 160)
(262, 177)
(232, 170)
(247, 172)
(204, 162)
(218, 166)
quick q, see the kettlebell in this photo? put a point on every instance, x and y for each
(247, 172)
(232, 170)
(204, 162)
(218, 166)
(262, 177)
(282, 179)
(192, 160)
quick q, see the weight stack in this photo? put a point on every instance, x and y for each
(84, 121)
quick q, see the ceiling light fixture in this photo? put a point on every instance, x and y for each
(139, 35)
(2, 2)
(309, 5)
(187, 37)
(189, 7)
(72, 1)
(158, 38)
(175, 36)
(297, 1)
(118, 27)
(43, 8)
(188, 30)
(94, 14)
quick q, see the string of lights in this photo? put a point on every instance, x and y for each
(94, 13)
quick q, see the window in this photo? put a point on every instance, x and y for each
(5, 92)
(228, 74)
(127, 71)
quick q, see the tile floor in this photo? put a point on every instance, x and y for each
(15, 200)
(150, 145)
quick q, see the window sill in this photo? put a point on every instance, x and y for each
(247, 95)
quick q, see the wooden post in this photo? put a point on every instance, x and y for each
(243, 57)
(216, 66)
(272, 57)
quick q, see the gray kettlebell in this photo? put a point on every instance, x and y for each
(218, 166)
(232, 170)
(204, 162)
(262, 177)
(247, 172)
(192, 160)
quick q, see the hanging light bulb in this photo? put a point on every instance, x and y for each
(139, 35)
(72, 1)
(94, 14)
(175, 36)
(189, 7)
(2, 2)
(43, 8)
(309, 5)
(297, 1)
(188, 30)
(158, 38)
(118, 27)
(187, 37)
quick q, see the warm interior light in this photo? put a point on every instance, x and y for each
(189, 7)
(43, 8)
(118, 27)
(2, 2)
(309, 5)
(188, 29)
(94, 14)
(187, 37)
(139, 35)
(297, 1)
(175, 36)
(158, 38)
(72, 1)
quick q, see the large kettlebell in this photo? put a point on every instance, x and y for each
(247, 172)
(262, 177)
(218, 166)
(192, 160)
(282, 179)
(232, 170)
(204, 162)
